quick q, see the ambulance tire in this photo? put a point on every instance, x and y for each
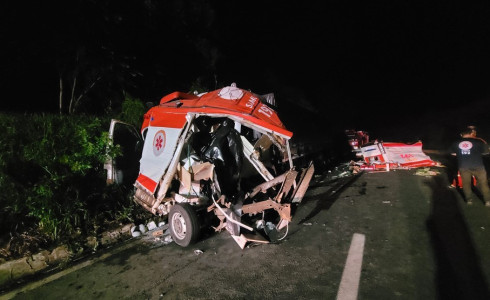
(183, 224)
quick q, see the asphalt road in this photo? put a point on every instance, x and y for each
(388, 235)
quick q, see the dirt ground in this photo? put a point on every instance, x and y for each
(421, 242)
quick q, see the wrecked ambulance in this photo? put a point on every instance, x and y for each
(218, 160)
(379, 155)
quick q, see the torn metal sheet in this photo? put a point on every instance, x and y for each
(284, 210)
(304, 182)
(273, 182)
(243, 239)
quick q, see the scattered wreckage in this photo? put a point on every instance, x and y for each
(380, 156)
(220, 160)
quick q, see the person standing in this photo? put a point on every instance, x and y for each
(469, 151)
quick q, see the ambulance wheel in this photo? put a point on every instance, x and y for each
(184, 224)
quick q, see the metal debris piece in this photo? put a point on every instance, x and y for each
(304, 182)
(158, 232)
(284, 210)
(244, 238)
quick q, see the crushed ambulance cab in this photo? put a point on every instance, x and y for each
(217, 160)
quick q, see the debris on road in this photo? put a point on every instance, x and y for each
(142, 228)
(386, 156)
(426, 172)
(157, 233)
(135, 232)
(158, 236)
(151, 225)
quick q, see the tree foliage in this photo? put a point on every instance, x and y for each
(132, 110)
(81, 56)
(52, 176)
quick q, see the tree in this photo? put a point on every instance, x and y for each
(81, 60)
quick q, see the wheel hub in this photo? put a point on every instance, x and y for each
(179, 226)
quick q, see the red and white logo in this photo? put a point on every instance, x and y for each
(159, 142)
(465, 145)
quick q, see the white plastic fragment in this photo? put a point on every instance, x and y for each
(259, 224)
(162, 223)
(135, 231)
(151, 225)
(142, 228)
(198, 252)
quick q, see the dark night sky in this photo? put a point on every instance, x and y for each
(353, 63)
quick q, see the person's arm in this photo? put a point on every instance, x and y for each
(486, 150)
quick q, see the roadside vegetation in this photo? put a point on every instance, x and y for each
(53, 182)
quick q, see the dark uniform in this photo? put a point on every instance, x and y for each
(469, 151)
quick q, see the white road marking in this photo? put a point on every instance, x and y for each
(349, 284)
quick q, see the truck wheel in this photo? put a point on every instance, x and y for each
(184, 224)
